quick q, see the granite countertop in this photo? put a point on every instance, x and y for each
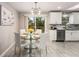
(73, 29)
(65, 29)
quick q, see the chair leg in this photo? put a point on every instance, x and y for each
(46, 50)
(15, 50)
(20, 53)
(40, 53)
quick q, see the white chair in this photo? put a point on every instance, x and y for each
(23, 34)
(42, 45)
(39, 31)
(22, 31)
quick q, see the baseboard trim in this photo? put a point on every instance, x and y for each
(5, 52)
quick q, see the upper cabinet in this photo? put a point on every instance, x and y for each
(74, 18)
(55, 18)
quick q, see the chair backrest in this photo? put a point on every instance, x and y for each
(44, 37)
(17, 39)
(39, 31)
(22, 31)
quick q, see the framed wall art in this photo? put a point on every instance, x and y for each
(6, 16)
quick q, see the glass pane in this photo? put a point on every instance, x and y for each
(40, 23)
(31, 23)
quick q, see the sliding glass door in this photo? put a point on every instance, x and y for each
(36, 23)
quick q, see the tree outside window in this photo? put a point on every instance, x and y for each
(40, 23)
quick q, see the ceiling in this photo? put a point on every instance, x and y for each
(45, 6)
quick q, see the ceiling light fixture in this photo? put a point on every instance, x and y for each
(36, 10)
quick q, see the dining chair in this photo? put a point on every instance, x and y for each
(23, 34)
(42, 45)
(22, 31)
(38, 31)
(19, 46)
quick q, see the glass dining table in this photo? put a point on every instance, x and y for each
(31, 37)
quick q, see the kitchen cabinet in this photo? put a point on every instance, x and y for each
(53, 35)
(55, 18)
(71, 35)
(74, 18)
(75, 35)
(68, 35)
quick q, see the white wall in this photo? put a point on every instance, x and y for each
(6, 37)
(7, 32)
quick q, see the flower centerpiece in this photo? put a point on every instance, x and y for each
(30, 30)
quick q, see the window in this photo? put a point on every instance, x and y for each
(37, 23)
(31, 23)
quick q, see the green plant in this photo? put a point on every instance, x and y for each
(40, 23)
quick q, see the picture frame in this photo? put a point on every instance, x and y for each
(7, 17)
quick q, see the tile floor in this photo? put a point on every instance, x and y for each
(57, 49)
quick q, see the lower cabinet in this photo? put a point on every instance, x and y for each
(68, 35)
(75, 35)
(71, 35)
(53, 35)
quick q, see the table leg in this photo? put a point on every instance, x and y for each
(30, 47)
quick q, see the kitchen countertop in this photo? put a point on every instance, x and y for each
(72, 30)
(66, 29)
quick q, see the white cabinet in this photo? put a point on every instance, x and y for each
(75, 35)
(53, 35)
(71, 18)
(74, 18)
(71, 35)
(68, 35)
(55, 17)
